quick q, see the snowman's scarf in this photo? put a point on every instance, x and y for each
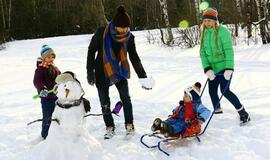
(69, 105)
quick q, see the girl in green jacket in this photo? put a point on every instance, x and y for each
(217, 57)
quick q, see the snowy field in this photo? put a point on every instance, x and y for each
(172, 69)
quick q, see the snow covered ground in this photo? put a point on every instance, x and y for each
(172, 69)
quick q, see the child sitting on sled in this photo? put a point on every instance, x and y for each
(187, 118)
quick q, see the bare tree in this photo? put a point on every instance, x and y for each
(3, 14)
(196, 3)
(262, 10)
(164, 8)
(147, 13)
(239, 10)
(247, 9)
(188, 38)
(9, 15)
(100, 14)
(248, 16)
(6, 18)
(60, 15)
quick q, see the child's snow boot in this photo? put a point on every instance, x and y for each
(166, 129)
(156, 125)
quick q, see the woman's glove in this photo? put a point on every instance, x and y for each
(228, 74)
(210, 74)
(147, 83)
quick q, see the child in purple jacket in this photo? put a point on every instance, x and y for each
(44, 80)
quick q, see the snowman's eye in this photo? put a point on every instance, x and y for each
(65, 85)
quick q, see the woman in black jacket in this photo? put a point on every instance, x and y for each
(111, 67)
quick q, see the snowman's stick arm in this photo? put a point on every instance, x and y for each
(38, 120)
(100, 114)
(115, 111)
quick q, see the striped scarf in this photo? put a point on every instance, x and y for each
(45, 64)
(53, 70)
(115, 68)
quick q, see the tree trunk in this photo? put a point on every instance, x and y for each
(236, 30)
(164, 8)
(248, 17)
(9, 18)
(147, 14)
(260, 16)
(57, 15)
(267, 13)
(262, 21)
(3, 14)
(267, 20)
(6, 17)
(239, 9)
(9, 14)
(267, 4)
(196, 3)
(102, 21)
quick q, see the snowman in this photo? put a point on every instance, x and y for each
(68, 138)
(71, 107)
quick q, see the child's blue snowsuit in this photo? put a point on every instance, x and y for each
(178, 122)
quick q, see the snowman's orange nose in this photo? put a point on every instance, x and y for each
(66, 92)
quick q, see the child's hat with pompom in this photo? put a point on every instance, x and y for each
(46, 51)
(194, 91)
(210, 13)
